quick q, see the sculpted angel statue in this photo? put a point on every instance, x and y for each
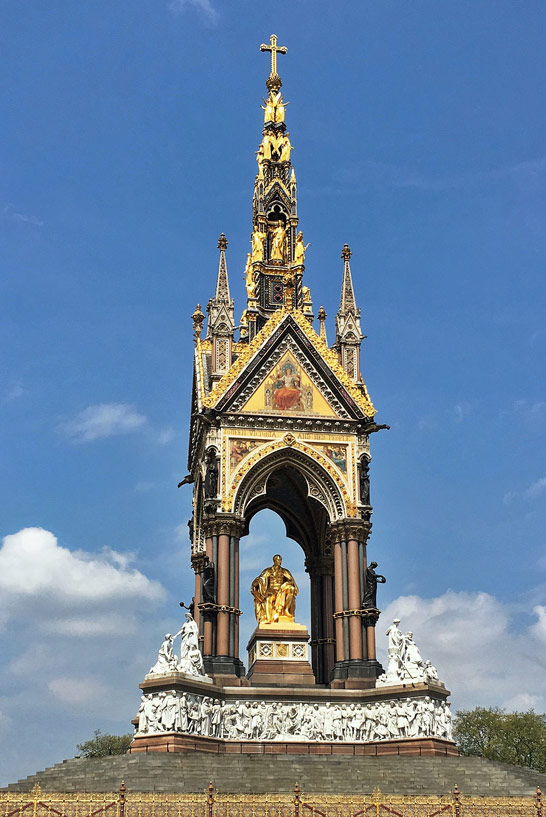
(249, 278)
(258, 239)
(284, 148)
(278, 243)
(274, 592)
(300, 249)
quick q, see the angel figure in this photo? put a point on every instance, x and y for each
(249, 278)
(258, 239)
(300, 249)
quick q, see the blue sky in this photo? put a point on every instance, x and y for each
(127, 146)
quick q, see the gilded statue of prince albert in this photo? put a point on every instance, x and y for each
(274, 592)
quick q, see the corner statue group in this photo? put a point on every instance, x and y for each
(274, 592)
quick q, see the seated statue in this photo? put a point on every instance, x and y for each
(274, 592)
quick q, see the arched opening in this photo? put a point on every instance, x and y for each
(267, 535)
(303, 501)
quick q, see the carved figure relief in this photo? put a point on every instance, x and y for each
(279, 721)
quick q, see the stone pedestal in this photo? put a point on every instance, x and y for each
(279, 654)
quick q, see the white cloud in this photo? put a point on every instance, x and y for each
(537, 488)
(460, 411)
(103, 420)
(166, 435)
(532, 413)
(532, 492)
(204, 6)
(5, 724)
(34, 567)
(472, 639)
(89, 626)
(76, 691)
(9, 213)
(427, 423)
(15, 390)
(143, 487)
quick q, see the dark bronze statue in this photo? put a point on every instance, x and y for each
(370, 591)
(208, 582)
(191, 607)
(211, 475)
(364, 481)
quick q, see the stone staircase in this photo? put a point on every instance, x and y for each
(163, 772)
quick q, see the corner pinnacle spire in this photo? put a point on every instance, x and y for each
(347, 302)
(222, 283)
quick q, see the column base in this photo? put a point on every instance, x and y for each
(224, 669)
(359, 673)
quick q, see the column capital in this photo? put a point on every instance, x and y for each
(344, 529)
(221, 523)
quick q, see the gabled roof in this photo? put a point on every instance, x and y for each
(252, 363)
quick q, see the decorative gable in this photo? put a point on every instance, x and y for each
(287, 368)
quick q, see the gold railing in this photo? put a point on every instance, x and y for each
(298, 804)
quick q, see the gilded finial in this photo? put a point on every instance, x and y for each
(197, 319)
(345, 252)
(273, 81)
(222, 242)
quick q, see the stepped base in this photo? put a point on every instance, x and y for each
(336, 774)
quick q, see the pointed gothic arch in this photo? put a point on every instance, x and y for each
(322, 487)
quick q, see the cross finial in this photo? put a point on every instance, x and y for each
(275, 49)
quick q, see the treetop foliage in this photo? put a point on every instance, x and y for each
(509, 737)
(102, 745)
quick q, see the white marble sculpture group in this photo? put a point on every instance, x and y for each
(405, 663)
(191, 660)
(192, 714)
(206, 716)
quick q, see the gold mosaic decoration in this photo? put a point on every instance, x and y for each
(276, 445)
(359, 395)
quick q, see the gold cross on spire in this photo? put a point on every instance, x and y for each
(274, 48)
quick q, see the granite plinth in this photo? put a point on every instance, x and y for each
(278, 654)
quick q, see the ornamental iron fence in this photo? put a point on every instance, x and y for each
(298, 804)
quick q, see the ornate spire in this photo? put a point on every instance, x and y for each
(348, 332)
(347, 302)
(222, 283)
(220, 308)
(277, 247)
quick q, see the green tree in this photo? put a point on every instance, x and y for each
(103, 745)
(509, 737)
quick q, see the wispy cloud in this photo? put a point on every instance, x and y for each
(384, 174)
(103, 420)
(534, 490)
(166, 435)
(204, 7)
(532, 413)
(76, 691)
(10, 214)
(144, 486)
(14, 390)
(460, 411)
